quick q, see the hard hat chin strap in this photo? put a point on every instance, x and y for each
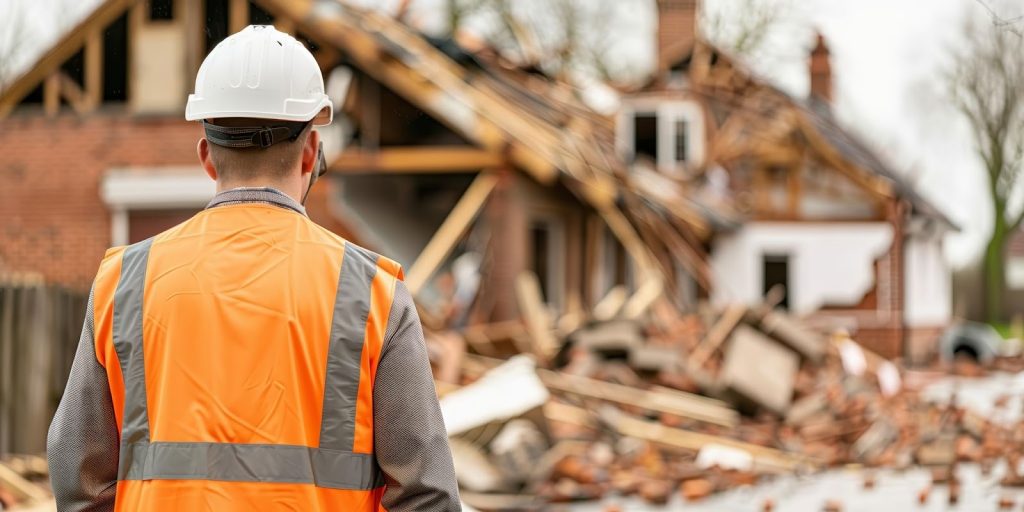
(253, 136)
(318, 171)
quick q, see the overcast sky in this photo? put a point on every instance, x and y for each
(889, 57)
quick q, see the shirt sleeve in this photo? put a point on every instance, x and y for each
(82, 445)
(410, 439)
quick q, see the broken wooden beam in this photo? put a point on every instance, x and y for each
(451, 230)
(764, 457)
(535, 315)
(415, 159)
(678, 403)
(717, 335)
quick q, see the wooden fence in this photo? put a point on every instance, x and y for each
(39, 329)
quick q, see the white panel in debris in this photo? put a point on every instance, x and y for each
(503, 393)
(829, 263)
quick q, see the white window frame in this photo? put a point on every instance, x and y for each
(124, 189)
(668, 112)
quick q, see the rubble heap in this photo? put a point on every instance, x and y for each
(24, 484)
(689, 404)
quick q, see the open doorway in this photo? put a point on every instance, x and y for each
(776, 275)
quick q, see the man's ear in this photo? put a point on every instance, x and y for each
(203, 149)
(309, 152)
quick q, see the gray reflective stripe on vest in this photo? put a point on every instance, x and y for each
(127, 333)
(251, 463)
(333, 465)
(348, 331)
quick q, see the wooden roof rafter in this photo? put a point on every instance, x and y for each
(73, 41)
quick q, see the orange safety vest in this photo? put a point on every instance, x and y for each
(241, 349)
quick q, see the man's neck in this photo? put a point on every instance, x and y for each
(291, 190)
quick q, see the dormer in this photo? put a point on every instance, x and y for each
(666, 133)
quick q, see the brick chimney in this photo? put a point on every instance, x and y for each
(677, 22)
(820, 70)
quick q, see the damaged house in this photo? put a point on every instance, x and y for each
(842, 237)
(458, 165)
(502, 194)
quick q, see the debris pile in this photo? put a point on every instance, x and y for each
(24, 484)
(686, 405)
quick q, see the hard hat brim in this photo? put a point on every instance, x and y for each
(322, 115)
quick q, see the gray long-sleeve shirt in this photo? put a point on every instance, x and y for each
(410, 441)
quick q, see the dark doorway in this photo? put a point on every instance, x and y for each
(776, 275)
(645, 136)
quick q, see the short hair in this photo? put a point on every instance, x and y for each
(255, 162)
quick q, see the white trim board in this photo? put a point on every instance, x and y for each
(124, 189)
(156, 188)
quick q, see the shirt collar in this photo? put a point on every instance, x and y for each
(262, 195)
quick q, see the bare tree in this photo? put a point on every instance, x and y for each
(14, 39)
(562, 37)
(987, 87)
(748, 28)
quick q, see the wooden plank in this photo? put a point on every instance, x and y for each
(610, 305)
(285, 25)
(51, 95)
(624, 232)
(192, 14)
(411, 159)
(660, 399)
(766, 457)
(74, 94)
(535, 315)
(674, 402)
(22, 489)
(451, 230)
(238, 15)
(641, 301)
(64, 49)
(717, 335)
(94, 69)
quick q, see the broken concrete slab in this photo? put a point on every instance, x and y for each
(760, 370)
(515, 381)
(794, 334)
(656, 358)
(614, 338)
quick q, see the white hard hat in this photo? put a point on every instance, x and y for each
(260, 73)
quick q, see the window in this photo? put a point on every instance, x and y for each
(671, 133)
(776, 274)
(161, 10)
(682, 135)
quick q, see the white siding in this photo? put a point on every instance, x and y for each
(928, 283)
(829, 263)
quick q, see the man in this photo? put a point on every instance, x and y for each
(248, 359)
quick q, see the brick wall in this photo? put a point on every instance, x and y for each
(54, 222)
(52, 219)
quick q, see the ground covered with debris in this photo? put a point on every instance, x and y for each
(734, 409)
